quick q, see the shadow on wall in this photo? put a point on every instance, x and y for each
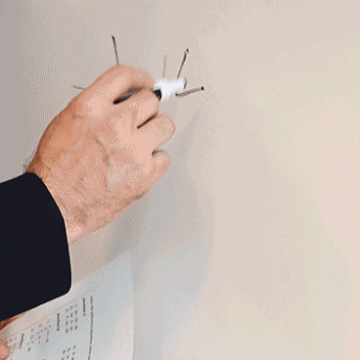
(172, 227)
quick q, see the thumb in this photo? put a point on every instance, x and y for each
(4, 350)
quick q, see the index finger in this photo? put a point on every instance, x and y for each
(119, 80)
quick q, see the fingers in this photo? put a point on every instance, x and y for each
(4, 350)
(141, 106)
(157, 131)
(117, 81)
(154, 129)
(162, 162)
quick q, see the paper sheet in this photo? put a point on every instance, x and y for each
(93, 321)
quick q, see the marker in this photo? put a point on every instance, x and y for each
(163, 89)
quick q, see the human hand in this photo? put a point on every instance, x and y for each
(97, 158)
(4, 349)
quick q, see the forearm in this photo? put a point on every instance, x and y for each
(35, 264)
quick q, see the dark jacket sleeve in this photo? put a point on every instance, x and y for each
(34, 252)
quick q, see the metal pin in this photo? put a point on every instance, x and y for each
(116, 56)
(190, 91)
(182, 64)
(77, 87)
(116, 53)
(164, 67)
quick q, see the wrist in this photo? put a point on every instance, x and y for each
(73, 230)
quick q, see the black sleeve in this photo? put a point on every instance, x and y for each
(34, 253)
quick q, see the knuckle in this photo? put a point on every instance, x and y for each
(129, 72)
(168, 125)
(80, 105)
(144, 169)
(142, 75)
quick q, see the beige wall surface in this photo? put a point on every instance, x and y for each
(248, 248)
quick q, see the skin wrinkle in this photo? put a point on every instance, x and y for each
(101, 200)
(92, 156)
(93, 159)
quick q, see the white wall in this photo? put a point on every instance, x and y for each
(248, 247)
